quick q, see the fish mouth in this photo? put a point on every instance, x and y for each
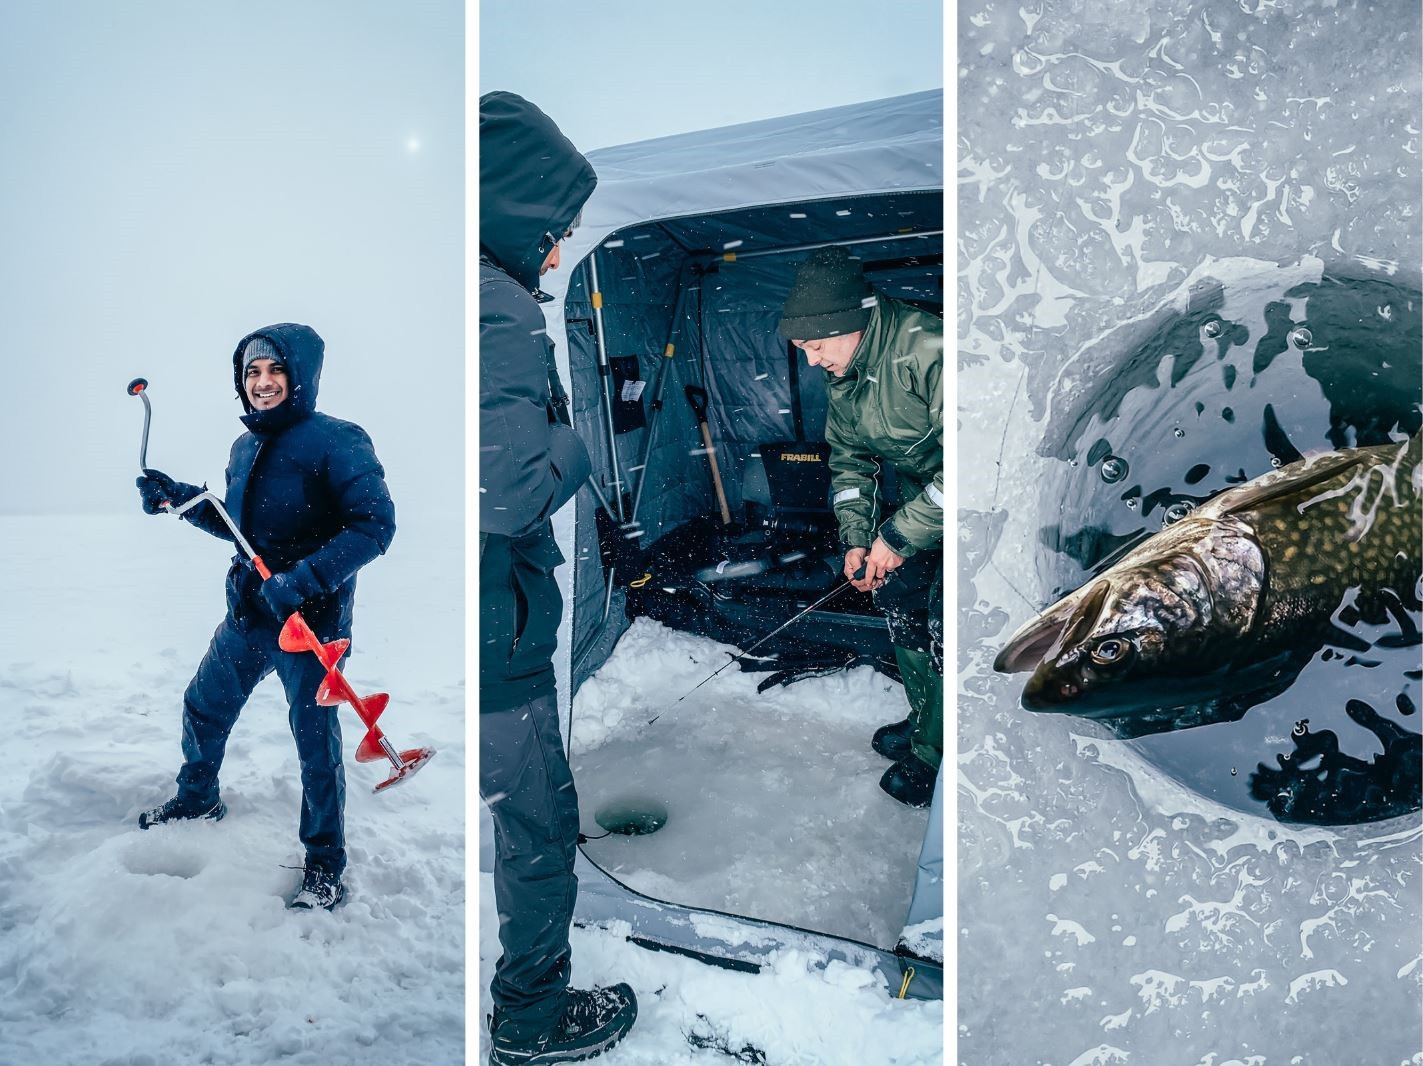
(1063, 624)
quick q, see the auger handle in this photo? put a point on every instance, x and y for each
(139, 387)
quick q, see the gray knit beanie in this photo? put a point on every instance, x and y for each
(830, 297)
(259, 348)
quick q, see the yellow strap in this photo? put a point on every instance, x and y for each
(729, 257)
(670, 349)
(643, 580)
(598, 299)
(908, 976)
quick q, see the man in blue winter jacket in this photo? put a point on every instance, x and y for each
(532, 185)
(309, 494)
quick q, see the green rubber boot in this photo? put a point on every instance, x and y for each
(925, 689)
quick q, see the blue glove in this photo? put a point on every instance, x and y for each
(285, 593)
(157, 488)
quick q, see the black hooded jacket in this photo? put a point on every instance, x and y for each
(306, 490)
(532, 185)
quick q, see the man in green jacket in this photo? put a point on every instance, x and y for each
(884, 363)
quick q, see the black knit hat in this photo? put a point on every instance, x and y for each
(830, 297)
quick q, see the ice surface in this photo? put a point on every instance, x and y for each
(794, 1011)
(173, 945)
(1108, 155)
(774, 806)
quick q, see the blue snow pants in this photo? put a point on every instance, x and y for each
(236, 660)
(525, 781)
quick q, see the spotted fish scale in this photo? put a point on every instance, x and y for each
(1346, 520)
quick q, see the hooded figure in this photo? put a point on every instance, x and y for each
(309, 495)
(532, 185)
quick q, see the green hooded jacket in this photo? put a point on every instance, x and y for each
(889, 408)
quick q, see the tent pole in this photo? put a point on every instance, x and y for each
(733, 257)
(674, 334)
(607, 375)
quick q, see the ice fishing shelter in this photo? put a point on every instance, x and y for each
(674, 279)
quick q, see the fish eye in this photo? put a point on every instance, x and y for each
(1112, 651)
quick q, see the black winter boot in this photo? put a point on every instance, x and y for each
(892, 741)
(911, 781)
(319, 888)
(177, 810)
(592, 1022)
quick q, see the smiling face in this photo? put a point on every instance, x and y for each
(266, 383)
(833, 353)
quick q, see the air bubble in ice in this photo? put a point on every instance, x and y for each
(1176, 512)
(1214, 328)
(1301, 337)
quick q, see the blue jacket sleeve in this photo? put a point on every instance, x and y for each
(204, 515)
(529, 465)
(357, 483)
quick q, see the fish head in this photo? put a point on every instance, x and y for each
(1122, 642)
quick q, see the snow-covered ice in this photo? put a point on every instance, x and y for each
(773, 800)
(173, 945)
(794, 1011)
(774, 812)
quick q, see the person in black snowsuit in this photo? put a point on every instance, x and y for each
(309, 495)
(532, 186)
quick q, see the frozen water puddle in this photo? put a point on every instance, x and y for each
(772, 800)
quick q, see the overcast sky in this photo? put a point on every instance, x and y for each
(627, 70)
(177, 174)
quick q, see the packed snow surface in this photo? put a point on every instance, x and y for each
(174, 945)
(797, 1011)
(773, 800)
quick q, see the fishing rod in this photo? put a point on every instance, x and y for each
(859, 575)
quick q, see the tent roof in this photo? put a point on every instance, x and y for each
(859, 149)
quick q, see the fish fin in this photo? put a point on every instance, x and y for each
(1282, 483)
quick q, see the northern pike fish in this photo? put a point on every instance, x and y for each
(1257, 576)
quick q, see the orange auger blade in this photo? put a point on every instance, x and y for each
(297, 636)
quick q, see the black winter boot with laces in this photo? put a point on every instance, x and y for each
(178, 809)
(592, 1022)
(319, 888)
